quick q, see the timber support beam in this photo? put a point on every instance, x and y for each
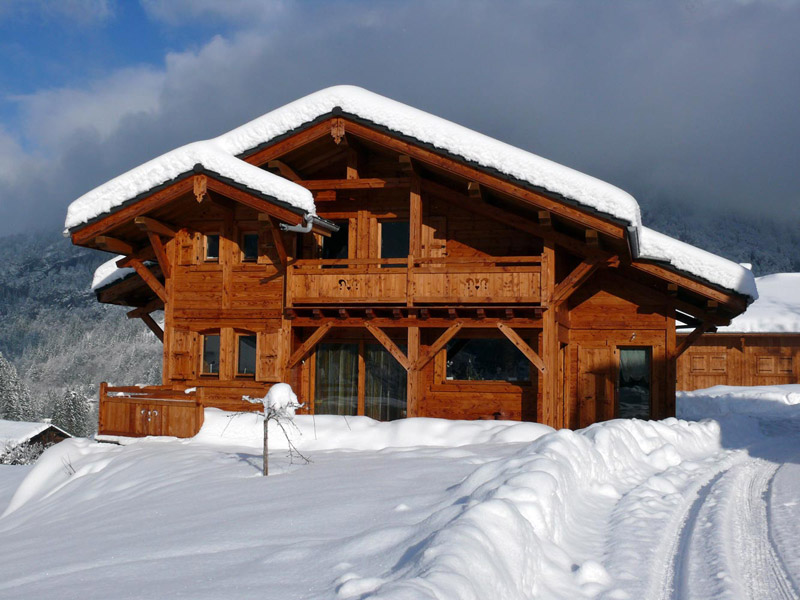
(692, 338)
(522, 346)
(146, 274)
(437, 346)
(309, 344)
(387, 343)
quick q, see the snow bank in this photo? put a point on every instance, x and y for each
(56, 467)
(768, 401)
(329, 432)
(524, 519)
(777, 309)
(211, 155)
(690, 259)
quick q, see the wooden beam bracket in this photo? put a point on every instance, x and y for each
(309, 344)
(522, 346)
(437, 346)
(387, 343)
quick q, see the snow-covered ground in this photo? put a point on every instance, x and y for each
(421, 508)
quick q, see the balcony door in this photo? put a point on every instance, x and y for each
(358, 378)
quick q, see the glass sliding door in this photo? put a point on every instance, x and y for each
(385, 384)
(336, 379)
(635, 383)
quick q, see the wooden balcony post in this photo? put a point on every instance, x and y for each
(550, 411)
(412, 377)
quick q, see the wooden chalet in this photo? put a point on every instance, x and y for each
(759, 347)
(413, 279)
(17, 433)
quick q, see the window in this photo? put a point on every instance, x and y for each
(246, 354)
(486, 359)
(336, 246)
(395, 239)
(212, 247)
(336, 382)
(210, 354)
(249, 247)
(633, 398)
(384, 384)
(342, 367)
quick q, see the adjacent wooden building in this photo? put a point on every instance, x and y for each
(759, 347)
(422, 281)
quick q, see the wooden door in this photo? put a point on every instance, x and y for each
(148, 419)
(596, 378)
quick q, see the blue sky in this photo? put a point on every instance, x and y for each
(692, 100)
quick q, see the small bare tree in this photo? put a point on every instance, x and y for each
(279, 404)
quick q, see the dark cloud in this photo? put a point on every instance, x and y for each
(694, 101)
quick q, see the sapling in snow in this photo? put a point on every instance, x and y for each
(279, 404)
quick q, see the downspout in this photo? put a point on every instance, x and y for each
(633, 241)
(299, 228)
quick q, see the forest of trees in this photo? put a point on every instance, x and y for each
(59, 343)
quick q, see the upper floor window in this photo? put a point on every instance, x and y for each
(336, 246)
(249, 247)
(211, 251)
(395, 239)
(211, 354)
(486, 359)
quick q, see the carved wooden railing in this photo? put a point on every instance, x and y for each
(508, 279)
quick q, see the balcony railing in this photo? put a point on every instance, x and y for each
(462, 280)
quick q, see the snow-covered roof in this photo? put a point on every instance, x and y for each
(13, 433)
(167, 167)
(109, 272)
(220, 155)
(696, 261)
(777, 309)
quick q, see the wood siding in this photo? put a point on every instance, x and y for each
(740, 359)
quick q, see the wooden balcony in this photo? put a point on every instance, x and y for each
(412, 281)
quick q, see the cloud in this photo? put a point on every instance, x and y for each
(84, 12)
(664, 100)
(237, 11)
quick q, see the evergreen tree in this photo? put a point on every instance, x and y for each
(16, 403)
(72, 413)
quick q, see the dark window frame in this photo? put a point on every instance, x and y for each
(203, 337)
(464, 340)
(238, 336)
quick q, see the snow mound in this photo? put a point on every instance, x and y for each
(767, 401)
(524, 517)
(777, 309)
(55, 468)
(690, 259)
(331, 432)
(167, 167)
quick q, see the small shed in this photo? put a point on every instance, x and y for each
(15, 433)
(759, 347)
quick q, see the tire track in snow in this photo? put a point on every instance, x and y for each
(724, 549)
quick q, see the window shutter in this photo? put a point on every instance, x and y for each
(269, 364)
(184, 356)
(188, 246)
